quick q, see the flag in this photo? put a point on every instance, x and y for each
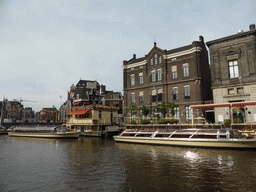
(70, 99)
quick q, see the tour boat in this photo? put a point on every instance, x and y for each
(212, 138)
(44, 132)
(3, 130)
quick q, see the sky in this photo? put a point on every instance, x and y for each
(48, 45)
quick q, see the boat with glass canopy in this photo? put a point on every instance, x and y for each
(213, 138)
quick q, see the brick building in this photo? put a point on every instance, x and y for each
(233, 70)
(180, 75)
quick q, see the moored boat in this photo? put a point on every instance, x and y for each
(211, 138)
(44, 132)
(3, 130)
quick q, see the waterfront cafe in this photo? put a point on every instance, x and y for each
(244, 110)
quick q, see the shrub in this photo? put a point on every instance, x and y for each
(133, 122)
(172, 121)
(227, 122)
(145, 121)
(237, 120)
(163, 121)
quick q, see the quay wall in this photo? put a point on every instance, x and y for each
(8, 125)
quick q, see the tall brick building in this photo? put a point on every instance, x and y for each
(180, 75)
(233, 73)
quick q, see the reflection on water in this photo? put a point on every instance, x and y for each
(92, 164)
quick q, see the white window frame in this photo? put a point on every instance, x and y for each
(175, 92)
(153, 75)
(132, 77)
(159, 74)
(187, 92)
(141, 78)
(174, 72)
(141, 97)
(132, 98)
(233, 69)
(156, 59)
(185, 68)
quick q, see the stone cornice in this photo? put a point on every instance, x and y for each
(231, 37)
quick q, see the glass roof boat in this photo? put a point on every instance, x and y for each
(211, 138)
(43, 132)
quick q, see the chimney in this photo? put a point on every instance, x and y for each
(154, 44)
(201, 38)
(134, 56)
(252, 27)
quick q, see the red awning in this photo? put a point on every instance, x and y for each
(79, 112)
(222, 105)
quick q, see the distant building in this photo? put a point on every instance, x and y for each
(28, 115)
(233, 73)
(48, 115)
(180, 75)
(10, 111)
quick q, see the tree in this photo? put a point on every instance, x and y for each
(172, 107)
(132, 109)
(145, 111)
(162, 108)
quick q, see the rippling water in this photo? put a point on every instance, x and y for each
(92, 164)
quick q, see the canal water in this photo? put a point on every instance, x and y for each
(93, 164)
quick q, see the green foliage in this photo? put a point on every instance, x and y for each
(144, 110)
(227, 122)
(165, 121)
(145, 121)
(163, 108)
(132, 110)
(237, 120)
(172, 121)
(133, 122)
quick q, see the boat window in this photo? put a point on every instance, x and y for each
(143, 135)
(183, 131)
(223, 131)
(207, 131)
(236, 135)
(204, 137)
(180, 136)
(168, 130)
(162, 135)
(128, 134)
(223, 136)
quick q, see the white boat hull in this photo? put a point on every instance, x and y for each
(45, 135)
(246, 143)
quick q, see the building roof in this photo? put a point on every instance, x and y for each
(231, 37)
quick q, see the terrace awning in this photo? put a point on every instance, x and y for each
(79, 112)
(223, 105)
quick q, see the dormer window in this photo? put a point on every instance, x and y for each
(155, 59)
(160, 59)
(151, 61)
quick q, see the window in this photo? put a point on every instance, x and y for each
(174, 72)
(175, 93)
(176, 112)
(141, 66)
(151, 61)
(160, 59)
(233, 69)
(231, 91)
(141, 99)
(132, 68)
(240, 90)
(185, 70)
(159, 94)
(188, 112)
(187, 92)
(153, 75)
(159, 75)
(99, 114)
(132, 80)
(173, 59)
(141, 78)
(132, 98)
(153, 95)
(155, 59)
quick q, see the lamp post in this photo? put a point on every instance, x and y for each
(60, 107)
(241, 92)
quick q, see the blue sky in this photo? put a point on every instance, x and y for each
(48, 45)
